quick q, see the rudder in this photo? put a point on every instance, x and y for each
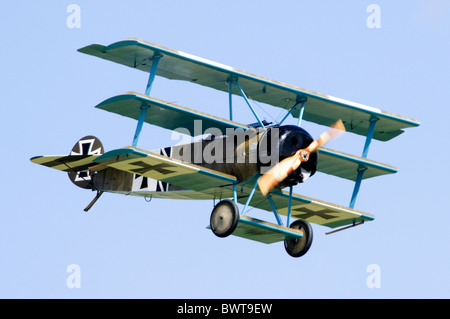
(86, 146)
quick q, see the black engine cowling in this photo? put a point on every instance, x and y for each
(289, 139)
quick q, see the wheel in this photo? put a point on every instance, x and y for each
(224, 218)
(299, 246)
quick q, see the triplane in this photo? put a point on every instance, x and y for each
(246, 164)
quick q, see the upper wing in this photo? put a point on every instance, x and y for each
(320, 108)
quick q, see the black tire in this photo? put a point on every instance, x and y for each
(299, 246)
(224, 218)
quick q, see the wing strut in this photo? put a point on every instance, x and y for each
(289, 206)
(279, 221)
(250, 196)
(235, 82)
(156, 57)
(362, 169)
(230, 98)
(302, 109)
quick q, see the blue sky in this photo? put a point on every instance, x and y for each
(128, 248)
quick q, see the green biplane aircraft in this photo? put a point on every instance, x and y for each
(236, 163)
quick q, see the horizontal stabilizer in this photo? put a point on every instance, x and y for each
(65, 163)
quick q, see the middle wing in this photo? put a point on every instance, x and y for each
(165, 114)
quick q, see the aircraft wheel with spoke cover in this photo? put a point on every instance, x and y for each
(224, 218)
(299, 246)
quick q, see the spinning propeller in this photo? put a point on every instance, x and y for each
(281, 170)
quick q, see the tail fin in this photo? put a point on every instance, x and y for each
(87, 146)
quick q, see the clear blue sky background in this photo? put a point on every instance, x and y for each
(128, 248)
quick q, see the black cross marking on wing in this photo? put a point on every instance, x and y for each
(144, 168)
(307, 213)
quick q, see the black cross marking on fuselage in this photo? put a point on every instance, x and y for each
(310, 213)
(144, 168)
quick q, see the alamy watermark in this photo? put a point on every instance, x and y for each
(374, 19)
(73, 280)
(73, 20)
(235, 145)
(374, 279)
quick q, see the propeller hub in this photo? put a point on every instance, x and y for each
(304, 155)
